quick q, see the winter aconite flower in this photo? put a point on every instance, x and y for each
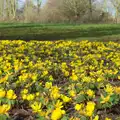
(57, 114)
(117, 90)
(72, 93)
(108, 118)
(30, 97)
(74, 77)
(11, 95)
(45, 72)
(65, 98)
(48, 85)
(24, 91)
(96, 117)
(105, 99)
(36, 107)
(90, 108)
(4, 108)
(109, 89)
(90, 93)
(119, 77)
(78, 106)
(3, 79)
(2, 93)
(55, 92)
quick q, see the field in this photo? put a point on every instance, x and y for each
(59, 80)
(18, 31)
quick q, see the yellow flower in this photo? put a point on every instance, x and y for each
(74, 77)
(42, 113)
(66, 73)
(105, 99)
(100, 79)
(109, 89)
(36, 107)
(108, 118)
(34, 77)
(72, 93)
(0, 72)
(24, 91)
(30, 97)
(2, 93)
(55, 92)
(4, 79)
(119, 77)
(90, 93)
(11, 94)
(59, 104)
(48, 85)
(90, 108)
(96, 117)
(57, 114)
(45, 73)
(4, 108)
(117, 90)
(65, 98)
(79, 106)
(64, 65)
(24, 96)
(37, 94)
(51, 78)
(86, 79)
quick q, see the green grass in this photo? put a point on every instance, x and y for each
(58, 31)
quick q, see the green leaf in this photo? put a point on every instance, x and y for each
(3, 117)
(40, 117)
(65, 118)
(92, 86)
(80, 98)
(83, 118)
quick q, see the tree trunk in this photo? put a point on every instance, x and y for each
(90, 10)
(38, 6)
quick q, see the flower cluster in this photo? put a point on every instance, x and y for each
(61, 79)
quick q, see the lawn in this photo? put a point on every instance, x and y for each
(59, 80)
(28, 31)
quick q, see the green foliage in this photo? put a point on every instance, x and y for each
(80, 98)
(3, 117)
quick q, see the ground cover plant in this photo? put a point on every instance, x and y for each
(34, 31)
(60, 80)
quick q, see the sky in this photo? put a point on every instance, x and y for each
(22, 1)
(43, 1)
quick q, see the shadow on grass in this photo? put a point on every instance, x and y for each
(37, 33)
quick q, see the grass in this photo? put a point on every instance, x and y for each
(28, 31)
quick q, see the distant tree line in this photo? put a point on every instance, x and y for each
(60, 11)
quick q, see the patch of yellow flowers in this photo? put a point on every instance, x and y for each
(4, 109)
(61, 79)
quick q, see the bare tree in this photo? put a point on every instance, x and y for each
(39, 2)
(1, 9)
(74, 9)
(91, 8)
(51, 11)
(28, 10)
(8, 9)
(116, 4)
(57, 10)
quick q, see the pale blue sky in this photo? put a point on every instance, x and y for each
(42, 1)
(22, 1)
